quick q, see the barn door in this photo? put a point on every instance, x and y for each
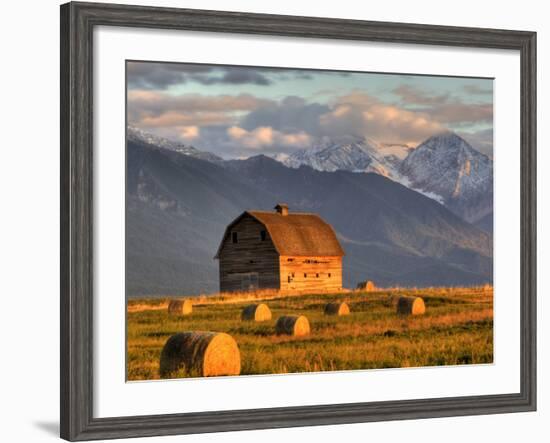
(254, 281)
(249, 282)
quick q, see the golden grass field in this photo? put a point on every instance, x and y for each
(456, 329)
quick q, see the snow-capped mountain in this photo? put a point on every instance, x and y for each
(444, 167)
(394, 153)
(353, 154)
(138, 135)
(448, 166)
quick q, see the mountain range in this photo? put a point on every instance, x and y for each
(352, 154)
(179, 203)
(138, 135)
(444, 167)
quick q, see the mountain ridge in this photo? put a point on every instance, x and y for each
(448, 166)
(470, 196)
(444, 167)
(179, 205)
(136, 134)
(354, 154)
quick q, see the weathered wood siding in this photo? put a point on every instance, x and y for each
(311, 273)
(248, 260)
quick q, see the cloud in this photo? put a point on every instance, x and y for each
(159, 102)
(234, 76)
(215, 122)
(481, 140)
(158, 109)
(477, 90)
(410, 95)
(265, 136)
(243, 125)
(359, 114)
(444, 108)
(160, 76)
(291, 114)
(173, 118)
(189, 132)
(145, 75)
(236, 133)
(462, 113)
(356, 114)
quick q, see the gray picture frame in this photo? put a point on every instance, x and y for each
(78, 21)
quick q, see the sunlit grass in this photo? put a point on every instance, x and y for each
(456, 329)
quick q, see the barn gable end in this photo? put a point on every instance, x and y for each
(248, 258)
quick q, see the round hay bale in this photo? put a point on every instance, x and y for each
(410, 306)
(487, 287)
(296, 325)
(200, 354)
(394, 300)
(367, 285)
(180, 307)
(259, 312)
(336, 308)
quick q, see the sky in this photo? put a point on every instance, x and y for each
(240, 111)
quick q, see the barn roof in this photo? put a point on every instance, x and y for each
(300, 234)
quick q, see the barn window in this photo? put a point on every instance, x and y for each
(329, 275)
(305, 275)
(234, 237)
(289, 259)
(317, 275)
(263, 235)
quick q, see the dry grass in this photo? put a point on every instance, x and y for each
(158, 303)
(457, 328)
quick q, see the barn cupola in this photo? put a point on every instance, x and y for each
(281, 208)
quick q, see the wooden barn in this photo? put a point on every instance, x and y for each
(280, 250)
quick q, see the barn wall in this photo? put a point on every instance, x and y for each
(317, 270)
(249, 256)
